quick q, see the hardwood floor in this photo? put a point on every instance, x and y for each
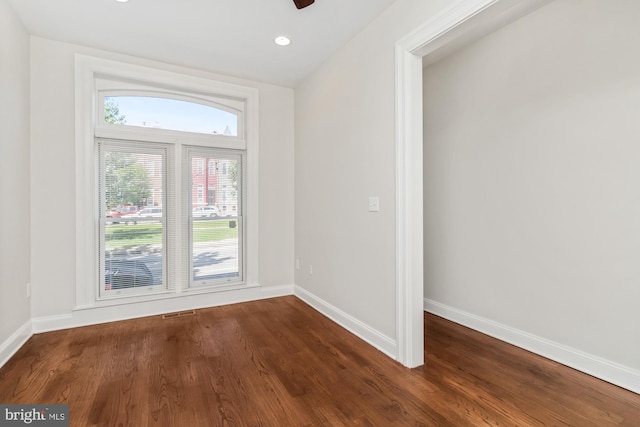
(280, 363)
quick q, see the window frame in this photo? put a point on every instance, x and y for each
(190, 152)
(90, 75)
(103, 145)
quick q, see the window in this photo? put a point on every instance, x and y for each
(132, 248)
(154, 182)
(169, 113)
(132, 243)
(200, 196)
(215, 242)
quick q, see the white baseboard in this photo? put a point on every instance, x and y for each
(377, 339)
(598, 367)
(112, 313)
(12, 344)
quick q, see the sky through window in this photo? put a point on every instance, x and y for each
(173, 114)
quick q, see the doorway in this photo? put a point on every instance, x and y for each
(456, 27)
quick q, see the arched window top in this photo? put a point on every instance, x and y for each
(161, 112)
(171, 112)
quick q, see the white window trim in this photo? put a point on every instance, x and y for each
(87, 70)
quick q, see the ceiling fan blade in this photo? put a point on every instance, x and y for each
(303, 3)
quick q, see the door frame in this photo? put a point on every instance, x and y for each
(455, 27)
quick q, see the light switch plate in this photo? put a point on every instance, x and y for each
(374, 204)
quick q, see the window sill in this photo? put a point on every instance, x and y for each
(162, 296)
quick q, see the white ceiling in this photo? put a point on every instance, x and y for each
(225, 36)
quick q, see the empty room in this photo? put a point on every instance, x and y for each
(319, 213)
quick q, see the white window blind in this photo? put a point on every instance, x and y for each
(132, 232)
(213, 238)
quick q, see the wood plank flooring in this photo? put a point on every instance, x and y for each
(280, 363)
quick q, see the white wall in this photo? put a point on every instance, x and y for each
(53, 176)
(345, 152)
(15, 309)
(532, 178)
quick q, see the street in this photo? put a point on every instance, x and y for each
(211, 260)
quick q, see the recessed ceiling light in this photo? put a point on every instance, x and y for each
(282, 41)
(122, 1)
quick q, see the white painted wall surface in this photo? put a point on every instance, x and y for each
(532, 178)
(345, 152)
(15, 308)
(53, 176)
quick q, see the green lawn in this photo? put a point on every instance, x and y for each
(150, 233)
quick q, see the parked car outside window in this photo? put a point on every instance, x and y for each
(206, 212)
(126, 274)
(121, 211)
(153, 212)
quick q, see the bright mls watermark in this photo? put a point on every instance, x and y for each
(34, 415)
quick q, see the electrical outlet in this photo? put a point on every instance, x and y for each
(297, 264)
(28, 290)
(311, 269)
